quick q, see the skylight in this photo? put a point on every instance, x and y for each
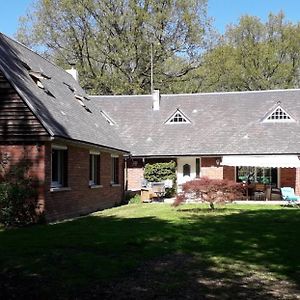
(279, 115)
(107, 118)
(178, 118)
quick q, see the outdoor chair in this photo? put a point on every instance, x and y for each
(158, 189)
(288, 194)
(259, 193)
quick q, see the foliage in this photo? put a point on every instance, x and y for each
(210, 190)
(252, 55)
(135, 200)
(110, 41)
(159, 172)
(17, 198)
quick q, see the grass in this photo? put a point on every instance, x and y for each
(136, 244)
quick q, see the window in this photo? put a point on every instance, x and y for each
(107, 118)
(178, 118)
(266, 176)
(38, 77)
(186, 170)
(94, 169)
(197, 167)
(278, 115)
(115, 169)
(59, 167)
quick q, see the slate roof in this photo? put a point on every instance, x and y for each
(62, 115)
(221, 123)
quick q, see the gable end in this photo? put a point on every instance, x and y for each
(17, 122)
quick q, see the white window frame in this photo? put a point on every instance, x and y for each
(173, 116)
(268, 120)
(95, 169)
(113, 182)
(59, 182)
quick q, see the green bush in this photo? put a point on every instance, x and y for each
(162, 171)
(17, 198)
(135, 200)
(17, 205)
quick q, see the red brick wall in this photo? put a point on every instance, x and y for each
(297, 184)
(209, 168)
(209, 161)
(35, 156)
(82, 199)
(135, 177)
(288, 177)
(229, 173)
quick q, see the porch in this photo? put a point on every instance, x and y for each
(263, 175)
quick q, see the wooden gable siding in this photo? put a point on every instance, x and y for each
(17, 122)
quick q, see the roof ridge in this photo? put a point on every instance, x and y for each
(93, 96)
(26, 47)
(199, 94)
(233, 92)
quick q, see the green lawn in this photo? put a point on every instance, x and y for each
(157, 251)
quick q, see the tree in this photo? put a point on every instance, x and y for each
(252, 55)
(210, 190)
(110, 41)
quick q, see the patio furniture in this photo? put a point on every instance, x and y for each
(146, 195)
(158, 189)
(259, 193)
(275, 194)
(288, 194)
(154, 190)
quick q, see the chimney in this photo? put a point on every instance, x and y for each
(155, 99)
(73, 72)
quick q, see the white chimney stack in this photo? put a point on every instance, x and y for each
(73, 72)
(155, 99)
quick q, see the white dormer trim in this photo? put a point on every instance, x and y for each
(278, 115)
(107, 118)
(178, 117)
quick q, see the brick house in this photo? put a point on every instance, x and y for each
(47, 120)
(76, 144)
(239, 136)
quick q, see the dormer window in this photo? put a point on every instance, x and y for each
(37, 77)
(278, 115)
(80, 100)
(178, 118)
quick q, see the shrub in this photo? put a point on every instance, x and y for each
(17, 198)
(159, 172)
(135, 200)
(210, 190)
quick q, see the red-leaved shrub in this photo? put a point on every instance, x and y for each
(210, 190)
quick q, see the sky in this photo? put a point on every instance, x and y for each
(223, 12)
